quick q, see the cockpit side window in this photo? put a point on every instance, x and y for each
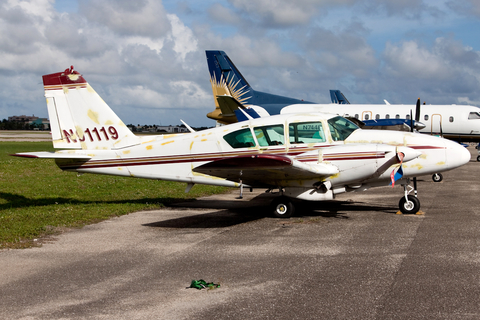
(270, 135)
(473, 115)
(306, 132)
(240, 139)
(341, 128)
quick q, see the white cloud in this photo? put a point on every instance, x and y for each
(184, 39)
(141, 56)
(128, 18)
(466, 7)
(411, 60)
(407, 8)
(222, 14)
(440, 62)
(285, 13)
(41, 9)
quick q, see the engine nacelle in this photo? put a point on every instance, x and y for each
(408, 154)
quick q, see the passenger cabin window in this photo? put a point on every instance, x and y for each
(450, 119)
(397, 116)
(367, 116)
(356, 115)
(377, 116)
(473, 115)
(426, 117)
(407, 117)
(306, 132)
(387, 116)
(341, 128)
(240, 139)
(270, 135)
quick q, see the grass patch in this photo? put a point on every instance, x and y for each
(38, 199)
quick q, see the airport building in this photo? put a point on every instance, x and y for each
(31, 122)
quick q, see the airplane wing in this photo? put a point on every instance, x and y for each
(52, 155)
(265, 170)
(392, 124)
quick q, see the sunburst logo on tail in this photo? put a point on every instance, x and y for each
(229, 87)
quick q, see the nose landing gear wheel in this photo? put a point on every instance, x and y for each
(412, 206)
(282, 207)
(437, 177)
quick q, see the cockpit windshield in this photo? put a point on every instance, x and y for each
(341, 128)
(473, 115)
(269, 135)
(240, 139)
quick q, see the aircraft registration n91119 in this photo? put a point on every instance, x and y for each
(306, 156)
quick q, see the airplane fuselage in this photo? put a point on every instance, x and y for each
(357, 161)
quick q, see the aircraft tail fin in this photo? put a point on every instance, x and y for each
(338, 97)
(226, 80)
(79, 118)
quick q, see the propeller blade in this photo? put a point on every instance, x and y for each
(411, 121)
(417, 110)
(417, 119)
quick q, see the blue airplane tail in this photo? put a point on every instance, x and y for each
(226, 80)
(338, 97)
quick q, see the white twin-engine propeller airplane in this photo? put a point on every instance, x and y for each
(306, 156)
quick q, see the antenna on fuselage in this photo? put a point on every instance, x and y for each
(188, 127)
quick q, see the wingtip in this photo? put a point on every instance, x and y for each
(23, 155)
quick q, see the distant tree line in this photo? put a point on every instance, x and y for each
(22, 125)
(158, 128)
(17, 125)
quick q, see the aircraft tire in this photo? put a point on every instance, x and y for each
(437, 177)
(478, 158)
(282, 207)
(412, 206)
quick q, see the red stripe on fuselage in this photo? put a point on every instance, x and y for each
(172, 159)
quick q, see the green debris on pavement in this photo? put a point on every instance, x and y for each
(202, 284)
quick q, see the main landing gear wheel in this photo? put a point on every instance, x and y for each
(412, 206)
(478, 158)
(437, 177)
(282, 207)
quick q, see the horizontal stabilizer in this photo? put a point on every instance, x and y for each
(52, 155)
(242, 117)
(265, 170)
(228, 105)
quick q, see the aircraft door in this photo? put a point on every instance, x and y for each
(436, 123)
(367, 115)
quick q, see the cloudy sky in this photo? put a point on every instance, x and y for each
(146, 58)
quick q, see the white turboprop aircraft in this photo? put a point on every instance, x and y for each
(305, 156)
(456, 122)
